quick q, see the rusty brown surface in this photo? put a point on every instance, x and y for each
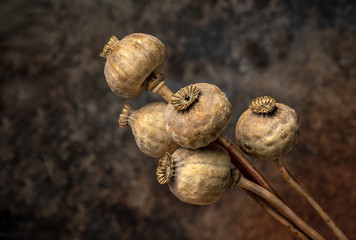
(69, 172)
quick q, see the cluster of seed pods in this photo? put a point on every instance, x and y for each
(198, 172)
(183, 133)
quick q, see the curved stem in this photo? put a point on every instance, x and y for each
(240, 161)
(156, 84)
(244, 165)
(280, 206)
(278, 216)
(300, 189)
(162, 90)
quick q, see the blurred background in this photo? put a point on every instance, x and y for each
(67, 171)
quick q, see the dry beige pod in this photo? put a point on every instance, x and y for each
(131, 61)
(267, 130)
(197, 114)
(147, 124)
(198, 176)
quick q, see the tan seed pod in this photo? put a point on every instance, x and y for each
(197, 114)
(198, 176)
(267, 134)
(131, 62)
(147, 124)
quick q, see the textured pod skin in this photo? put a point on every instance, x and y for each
(147, 124)
(268, 136)
(200, 176)
(202, 122)
(130, 61)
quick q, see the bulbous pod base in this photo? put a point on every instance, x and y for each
(148, 129)
(131, 61)
(196, 176)
(196, 118)
(268, 135)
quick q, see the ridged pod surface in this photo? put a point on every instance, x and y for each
(198, 176)
(130, 61)
(267, 135)
(197, 114)
(148, 129)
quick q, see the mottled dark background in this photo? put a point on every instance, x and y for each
(69, 172)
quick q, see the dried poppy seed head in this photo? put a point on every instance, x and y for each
(262, 105)
(125, 115)
(148, 128)
(109, 47)
(165, 169)
(185, 97)
(132, 62)
(268, 135)
(203, 122)
(199, 176)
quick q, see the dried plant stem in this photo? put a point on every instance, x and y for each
(280, 206)
(240, 161)
(157, 85)
(163, 91)
(244, 165)
(278, 216)
(300, 189)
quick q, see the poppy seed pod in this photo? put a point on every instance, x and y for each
(267, 130)
(131, 62)
(147, 124)
(198, 176)
(197, 114)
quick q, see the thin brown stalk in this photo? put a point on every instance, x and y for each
(280, 206)
(244, 165)
(306, 196)
(278, 216)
